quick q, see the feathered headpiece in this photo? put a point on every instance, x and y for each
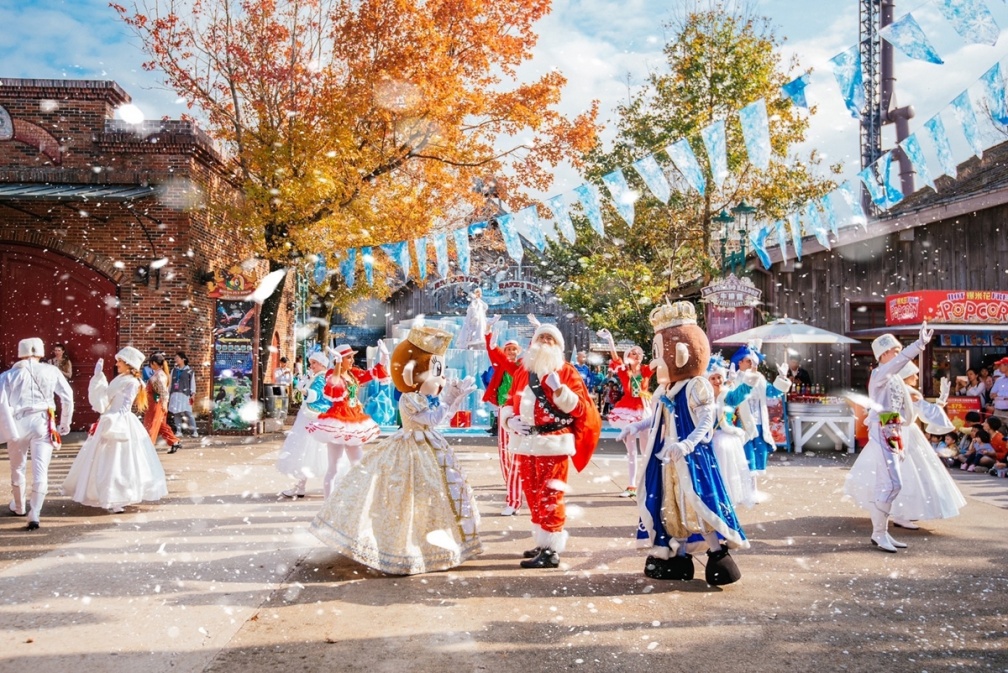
(717, 365)
(751, 351)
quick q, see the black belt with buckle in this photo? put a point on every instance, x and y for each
(547, 428)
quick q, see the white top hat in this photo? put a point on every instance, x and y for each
(319, 357)
(131, 356)
(31, 348)
(884, 343)
(909, 369)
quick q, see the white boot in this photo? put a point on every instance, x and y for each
(879, 536)
(758, 495)
(36, 505)
(17, 503)
(903, 523)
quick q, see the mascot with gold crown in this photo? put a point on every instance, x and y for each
(681, 498)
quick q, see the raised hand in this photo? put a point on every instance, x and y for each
(534, 321)
(99, 366)
(491, 322)
(782, 369)
(944, 387)
(925, 333)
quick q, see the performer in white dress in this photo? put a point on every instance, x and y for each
(728, 439)
(882, 458)
(406, 508)
(117, 465)
(475, 324)
(301, 456)
(928, 491)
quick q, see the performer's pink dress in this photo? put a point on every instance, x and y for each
(631, 407)
(345, 423)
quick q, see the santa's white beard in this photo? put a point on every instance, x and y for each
(543, 360)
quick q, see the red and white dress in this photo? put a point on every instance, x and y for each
(630, 408)
(345, 422)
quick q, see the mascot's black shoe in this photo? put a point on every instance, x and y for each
(721, 568)
(547, 558)
(675, 568)
(531, 553)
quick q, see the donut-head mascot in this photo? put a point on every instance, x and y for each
(418, 366)
(682, 500)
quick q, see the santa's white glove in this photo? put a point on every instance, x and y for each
(517, 426)
(491, 322)
(534, 321)
(552, 381)
(671, 452)
(98, 366)
(605, 334)
(925, 334)
(944, 388)
(63, 429)
(782, 369)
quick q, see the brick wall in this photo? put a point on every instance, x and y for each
(167, 308)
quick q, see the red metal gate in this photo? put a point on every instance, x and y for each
(60, 300)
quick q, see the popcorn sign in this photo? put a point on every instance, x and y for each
(948, 306)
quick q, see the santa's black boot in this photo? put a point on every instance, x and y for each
(675, 568)
(547, 558)
(721, 568)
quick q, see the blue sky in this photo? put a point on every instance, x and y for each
(600, 45)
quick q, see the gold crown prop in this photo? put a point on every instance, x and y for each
(430, 339)
(673, 315)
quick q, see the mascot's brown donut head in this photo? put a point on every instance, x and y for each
(681, 349)
(418, 361)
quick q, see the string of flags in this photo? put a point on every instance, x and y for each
(970, 19)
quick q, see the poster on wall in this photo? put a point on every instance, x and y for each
(958, 406)
(235, 408)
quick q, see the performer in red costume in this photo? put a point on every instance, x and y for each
(551, 417)
(633, 406)
(505, 364)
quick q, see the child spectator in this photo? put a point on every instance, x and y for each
(981, 448)
(995, 428)
(966, 447)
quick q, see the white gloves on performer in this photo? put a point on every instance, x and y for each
(674, 451)
(517, 426)
(456, 390)
(63, 429)
(925, 335)
(944, 388)
(782, 369)
(98, 366)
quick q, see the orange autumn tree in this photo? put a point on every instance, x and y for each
(359, 122)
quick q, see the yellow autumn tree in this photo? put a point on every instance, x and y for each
(360, 122)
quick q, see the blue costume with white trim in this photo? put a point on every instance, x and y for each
(697, 502)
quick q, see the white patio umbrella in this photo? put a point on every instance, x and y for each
(787, 331)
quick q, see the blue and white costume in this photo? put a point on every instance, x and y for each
(684, 505)
(301, 456)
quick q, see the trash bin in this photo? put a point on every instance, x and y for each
(275, 401)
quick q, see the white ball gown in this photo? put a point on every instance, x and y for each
(928, 492)
(117, 464)
(406, 508)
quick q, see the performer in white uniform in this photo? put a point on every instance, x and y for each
(729, 439)
(928, 492)
(27, 423)
(891, 406)
(117, 465)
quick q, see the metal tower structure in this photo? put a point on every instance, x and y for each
(871, 60)
(880, 91)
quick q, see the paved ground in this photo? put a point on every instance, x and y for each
(223, 576)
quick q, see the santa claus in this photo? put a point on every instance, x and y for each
(551, 418)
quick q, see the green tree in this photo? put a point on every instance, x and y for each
(720, 60)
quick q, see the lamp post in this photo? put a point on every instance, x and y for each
(724, 222)
(742, 212)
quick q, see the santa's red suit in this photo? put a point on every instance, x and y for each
(552, 439)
